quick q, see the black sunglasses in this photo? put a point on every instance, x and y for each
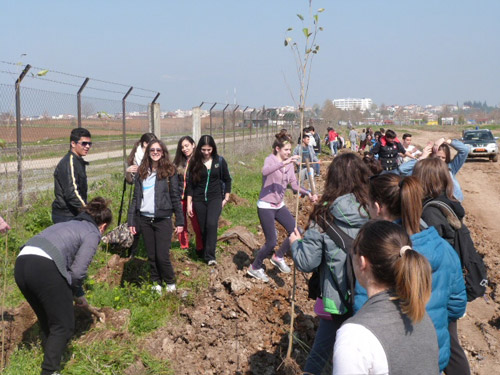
(85, 144)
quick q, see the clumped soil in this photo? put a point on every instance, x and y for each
(239, 325)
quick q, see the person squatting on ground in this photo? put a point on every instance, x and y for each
(343, 202)
(50, 270)
(183, 155)
(70, 178)
(155, 199)
(133, 162)
(388, 148)
(277, 174)
(307, 154)
(392, 333)
(435, 177)
(208, 190)
(399, 200)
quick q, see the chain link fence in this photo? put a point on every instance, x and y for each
(35, 125)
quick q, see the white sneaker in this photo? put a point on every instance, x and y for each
(212, 262)
(170, 288)
(258, 274)
(157, 288)
(280, 263)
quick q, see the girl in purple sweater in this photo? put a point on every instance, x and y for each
(277, 174)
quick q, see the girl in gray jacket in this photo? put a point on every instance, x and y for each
(50, 270)
(343, 202)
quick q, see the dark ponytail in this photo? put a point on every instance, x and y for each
(99, 210)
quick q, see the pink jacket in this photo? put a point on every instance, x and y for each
(275, 179)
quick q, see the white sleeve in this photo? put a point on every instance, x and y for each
(358, 351)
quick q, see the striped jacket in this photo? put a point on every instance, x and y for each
(70, 185)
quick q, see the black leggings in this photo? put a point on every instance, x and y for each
(208, 217)
(50, 296)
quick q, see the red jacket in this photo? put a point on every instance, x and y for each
(332, 136)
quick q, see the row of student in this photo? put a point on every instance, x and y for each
(190, 185)
(51, 267)
(348, 202)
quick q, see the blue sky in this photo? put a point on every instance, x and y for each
(423, 52)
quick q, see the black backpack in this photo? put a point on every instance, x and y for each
(345, 242)
(472, 263)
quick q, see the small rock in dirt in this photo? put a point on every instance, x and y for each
(236, 285)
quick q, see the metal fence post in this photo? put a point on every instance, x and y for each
(251, 121)
(243, 115)
(224, 128)
(210, 113)
(124, 130)
(154, 117)
(196, 123)
(79, 101)
(234, 126)
(19, 137)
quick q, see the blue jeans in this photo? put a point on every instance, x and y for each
(322, 349)
(316, 168)
(333, 147)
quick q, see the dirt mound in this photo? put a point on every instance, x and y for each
(240, 324)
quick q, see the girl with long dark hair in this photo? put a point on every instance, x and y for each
(208, 189)
(277, 174)
(183, 155)
(133, 162)
(399, 200)
(50, 270)
(156, 198)
(344, 203)
(392, 333)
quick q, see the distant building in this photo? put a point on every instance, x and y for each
(351, 104)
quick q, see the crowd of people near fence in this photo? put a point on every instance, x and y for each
(385, 243)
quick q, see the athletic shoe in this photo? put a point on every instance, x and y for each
(280, 263)
(258, 274)
(170, 288)
(212, 262)
(157, 289)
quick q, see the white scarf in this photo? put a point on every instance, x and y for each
(139, 154)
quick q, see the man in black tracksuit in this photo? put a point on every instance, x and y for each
(70, 178)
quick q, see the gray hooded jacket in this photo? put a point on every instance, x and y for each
(317, 249)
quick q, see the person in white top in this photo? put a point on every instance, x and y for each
(411, 149)
(392, 333)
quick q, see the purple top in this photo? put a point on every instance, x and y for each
(275, 178)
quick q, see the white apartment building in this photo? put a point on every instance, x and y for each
(350, 104)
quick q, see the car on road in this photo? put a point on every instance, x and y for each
(482, 143)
